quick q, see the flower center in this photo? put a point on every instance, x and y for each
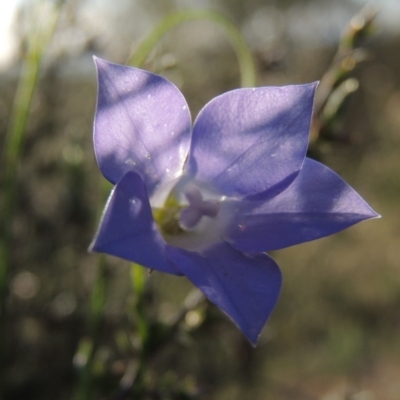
(198, 208)
(187, 220)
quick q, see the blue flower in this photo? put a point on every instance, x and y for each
(208, 201)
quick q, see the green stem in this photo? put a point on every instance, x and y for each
(138, 277)
(85, 389)
(12, 151)
(243, 52)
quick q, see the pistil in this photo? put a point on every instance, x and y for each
(197, 209)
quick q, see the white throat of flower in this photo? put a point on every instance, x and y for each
(191, 217)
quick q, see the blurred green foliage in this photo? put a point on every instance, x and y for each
(334, 333)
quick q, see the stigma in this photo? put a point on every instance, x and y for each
(198, 208)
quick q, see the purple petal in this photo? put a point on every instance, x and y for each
(128, 230)
(252, 141)
(142, 124)
(244, 287)
(318, 203)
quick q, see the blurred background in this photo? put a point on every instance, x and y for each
(334, 334)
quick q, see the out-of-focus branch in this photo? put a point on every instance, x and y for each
(337, 84)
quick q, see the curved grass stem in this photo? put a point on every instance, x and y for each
(243, 52)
